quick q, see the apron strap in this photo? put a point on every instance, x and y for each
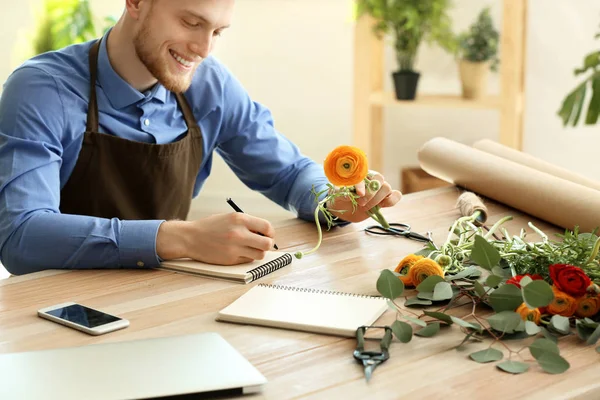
(186, 110)
(92, 115)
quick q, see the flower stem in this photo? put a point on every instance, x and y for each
(594, 251)
(299, 254)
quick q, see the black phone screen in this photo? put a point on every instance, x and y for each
(83, 315)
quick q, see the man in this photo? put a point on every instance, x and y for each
(104, 144)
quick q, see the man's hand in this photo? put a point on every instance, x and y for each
(224, 239)
(383, 197)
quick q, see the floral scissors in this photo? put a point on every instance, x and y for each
(398, 229)
(372, 359)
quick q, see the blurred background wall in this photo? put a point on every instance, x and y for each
(296, 56)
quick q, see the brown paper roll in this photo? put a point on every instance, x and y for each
(556, 200)
(489, 146)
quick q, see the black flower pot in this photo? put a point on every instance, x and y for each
(405, 83)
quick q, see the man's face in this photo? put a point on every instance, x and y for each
(174, 36)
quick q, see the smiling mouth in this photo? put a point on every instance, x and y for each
(182, 61)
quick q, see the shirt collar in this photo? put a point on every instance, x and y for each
(120, 93)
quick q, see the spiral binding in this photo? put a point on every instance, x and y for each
(319, 291)
(271, 266)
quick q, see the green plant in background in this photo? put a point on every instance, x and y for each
(480, 42)
(573, 104)
(66, 22)
(410, 22)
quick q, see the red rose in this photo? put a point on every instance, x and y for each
(516, 280)
(569, 279)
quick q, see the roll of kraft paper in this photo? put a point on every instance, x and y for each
(555, 200)
(489, 146)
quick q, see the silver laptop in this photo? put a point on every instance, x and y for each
(141, 369)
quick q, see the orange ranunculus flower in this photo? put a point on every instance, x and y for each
(588, 305)
(424, 268)
(562, 304)
(403, 267)
(528, 314)
(346, 166)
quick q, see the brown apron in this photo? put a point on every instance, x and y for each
(125, 179)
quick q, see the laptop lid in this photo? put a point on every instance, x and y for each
(140, 369)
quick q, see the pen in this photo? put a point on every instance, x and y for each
(237, 209)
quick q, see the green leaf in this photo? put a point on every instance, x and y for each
(465, 273)
(552, 363)
(584, 330)
(513, 367)
(423, 252)
(415, 321)
(548, 335)
(414, 301)
(518, 335)
(505, 272)
(525, 281)
(531, 328)
(541, 346)
(438, 315)
(429, 283)
(430, 330)
(425, 295)
(493, 280)
(402, 331)
(537, 294)
(593, 111)
(594, 336)
(484, 254)
(479, 289)
(505, 321)
(560, 324)
(506, 298)
(466, 324)
(389, 285)
(442, 291)
(487, 355)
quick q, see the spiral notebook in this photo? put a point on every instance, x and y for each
(244, 273)
(311, 310)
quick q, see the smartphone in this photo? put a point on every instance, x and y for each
(83, 318)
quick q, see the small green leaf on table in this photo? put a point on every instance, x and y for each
(506, 298)
(594, 336)
(484, 254)
(431, 329)
(479, 289)
(428, 285)
(548, 335)
(493, 280)
(389, 285)
(465, 273)
(438, 315)
(466, 324)
(505, 321)
(487, 355)
(415, 301)
(425, 295)
(531, 328)
(552, 363)
(541, 346)
(415, 321)
(537, 294)
(402, 331)
(560, 324)
(513, 367)
(442, 291)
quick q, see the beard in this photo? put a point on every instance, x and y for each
(157, 65)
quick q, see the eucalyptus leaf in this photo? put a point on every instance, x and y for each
(442, 291)
(389, 285)
(501, 272)
(537, 294)
(423, 252)
(548, 335)
(531, 328)
(552, 363)
(584, 331)
(431, 329)
(466, 324)
(505, 321)
(484, 254)
(541, 346)
(429, 283)
(594, 336)
(517, 335)
(525, 281)
(479, 289)
(493, 280)
(415, 321)
(402, 331)
(513, 367)
(506, 298)
(414, 301)
(465, 273)
(560, 324)
(487, 355)
(441, 316)
(425, 295)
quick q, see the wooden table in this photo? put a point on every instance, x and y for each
(299, 364)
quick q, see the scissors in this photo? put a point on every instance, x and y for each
(371, 359)
(397, 229)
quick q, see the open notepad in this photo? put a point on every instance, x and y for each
(245, 273)
(303, 309)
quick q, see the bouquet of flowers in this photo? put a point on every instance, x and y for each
(518, 289)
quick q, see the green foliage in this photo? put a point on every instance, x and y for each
(480, 42)
(66, 22)
(573, 104)
(410, 22)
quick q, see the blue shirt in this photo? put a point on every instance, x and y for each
(43, 112)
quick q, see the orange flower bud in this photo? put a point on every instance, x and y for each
(588, 305)
(562, 304)
(346, 166)
(403, 267)
(423, 269)
(528, 314)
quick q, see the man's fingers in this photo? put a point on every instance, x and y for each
(366, 198)
(259, 225)
(381, 194)
(360, 188)
(392, 199)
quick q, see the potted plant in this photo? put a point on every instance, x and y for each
(409, 22)
(572, 105)
(477, 52)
